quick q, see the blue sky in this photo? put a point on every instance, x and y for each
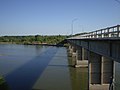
(54, 17)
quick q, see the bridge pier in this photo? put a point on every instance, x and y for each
(81, 57)
(101, 69)
(74, 51)
(70, 50)
(84, 54)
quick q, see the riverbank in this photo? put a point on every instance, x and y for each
(35, 39)
(42, 44)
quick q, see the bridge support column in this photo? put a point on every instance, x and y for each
(70, 50)
(94, 68)
(84, 54)
(79, 53)
(81, 57)
(74, 51)
(107, 70)
(100, 72)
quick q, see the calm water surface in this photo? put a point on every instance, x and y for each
(30, 67)
(24, 65)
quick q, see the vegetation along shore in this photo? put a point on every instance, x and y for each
(34, 40)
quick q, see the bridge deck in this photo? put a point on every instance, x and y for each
(109, 33)
(110, 38)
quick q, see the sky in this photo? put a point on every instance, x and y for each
(54, 17)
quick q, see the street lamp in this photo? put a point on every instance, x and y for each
(72, 25)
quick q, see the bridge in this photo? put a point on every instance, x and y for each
(98, 50)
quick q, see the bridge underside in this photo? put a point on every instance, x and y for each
(106, 47)
(100, 55)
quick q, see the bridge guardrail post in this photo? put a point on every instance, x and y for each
(118, 30)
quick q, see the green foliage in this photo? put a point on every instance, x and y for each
(1, 80)
(37, 39)
(3, 85)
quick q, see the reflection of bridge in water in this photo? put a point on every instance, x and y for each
(98, 50)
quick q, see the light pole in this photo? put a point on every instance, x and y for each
(72, 25)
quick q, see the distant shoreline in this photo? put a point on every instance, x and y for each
(43, 44)
(32, 44)
(58, 40)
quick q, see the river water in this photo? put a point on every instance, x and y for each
(34, 67)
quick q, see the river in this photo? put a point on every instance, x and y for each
(34, 67)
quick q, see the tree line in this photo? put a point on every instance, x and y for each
(34, 39)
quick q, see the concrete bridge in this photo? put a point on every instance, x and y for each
(98, 50)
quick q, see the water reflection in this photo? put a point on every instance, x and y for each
(32, 60)
(79, 76)
(24, 64)
(25, 76)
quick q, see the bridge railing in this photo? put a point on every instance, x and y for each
(104, 33)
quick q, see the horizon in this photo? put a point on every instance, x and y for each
(33, 35)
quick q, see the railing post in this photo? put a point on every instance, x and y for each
(101, 33)
(118, 27)
(96, 34)
(108, 31)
